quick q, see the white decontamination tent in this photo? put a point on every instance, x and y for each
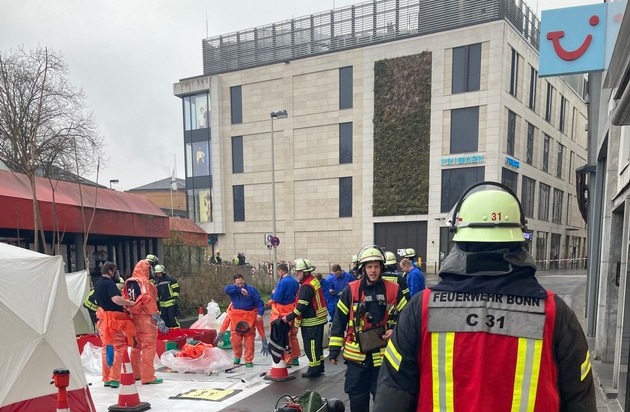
(78, 284)
(37, 334)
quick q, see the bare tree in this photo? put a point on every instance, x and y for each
(44, 124)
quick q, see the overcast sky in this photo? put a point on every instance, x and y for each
(126, 55)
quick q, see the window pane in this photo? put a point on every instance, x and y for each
(205, 205)
(543, 201)
(186, 113)
(238, 193)
(514, 73)
(201, 159)
(237, 154)
(533, 82)
(545, 162)
(202, 114)
(191, 205)
(549, 105)
(345, 142)
(464, 130)
(189, 159)
(527, 196)
(511, 132)
(236, 104)
(531, 130)
(558, 196)
(509, 178)
(474, 67)
(456, 181)
(458, 82)
(563, 103)
(345, 87)
(345, 197)
(560, 161)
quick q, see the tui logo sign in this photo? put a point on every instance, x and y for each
(573, 40)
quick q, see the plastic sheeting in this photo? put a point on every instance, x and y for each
(212, 360)
(212, 319)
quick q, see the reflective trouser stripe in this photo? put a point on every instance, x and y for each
(442, 371)
(586, 366)
(526, 375)
(315, 361)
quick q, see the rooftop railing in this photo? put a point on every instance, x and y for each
(359, 25)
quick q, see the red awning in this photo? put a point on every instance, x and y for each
(190, 233)
(115, 213)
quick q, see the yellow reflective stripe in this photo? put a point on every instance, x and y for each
(303, 302)
(342, 307)
(586, 366)
(442, 345)
(526, 375)
(314, 321)
(392, 355)
(401, 304)
(313, 356)
(297, 312)
(336, 341)
(323, 312)
(167, 303)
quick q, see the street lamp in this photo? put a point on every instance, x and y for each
(280, 114)
(113, 181)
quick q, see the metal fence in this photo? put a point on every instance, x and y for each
(359, 25)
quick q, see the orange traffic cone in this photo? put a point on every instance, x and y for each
(128, 398)
(279, 372)
(61, 379)
(200, 313)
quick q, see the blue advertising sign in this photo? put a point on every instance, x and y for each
(573, 40)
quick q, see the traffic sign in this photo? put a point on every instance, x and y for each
(275, 241)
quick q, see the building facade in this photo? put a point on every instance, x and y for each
(394, 109)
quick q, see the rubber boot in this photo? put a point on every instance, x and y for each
(360, 403)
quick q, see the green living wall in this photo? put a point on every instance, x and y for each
(402, 120)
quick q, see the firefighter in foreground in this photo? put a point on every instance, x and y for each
(311, 315)
(488, 337)
(168, 296)
(365, 316)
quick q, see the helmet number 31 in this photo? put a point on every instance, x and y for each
(496, 216)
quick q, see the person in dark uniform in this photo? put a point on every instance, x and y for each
(367, 307)
(393, 275)
(488, 336)
(168, 296)
(311, 315)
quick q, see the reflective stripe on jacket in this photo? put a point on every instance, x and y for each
(461, 333)
(318, 303)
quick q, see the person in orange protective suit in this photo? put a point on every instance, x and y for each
(114, 325)
(247, 310)
(227, 322)
(146, 318)
(282, 303)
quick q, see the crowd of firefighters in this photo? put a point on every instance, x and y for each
(488, 336)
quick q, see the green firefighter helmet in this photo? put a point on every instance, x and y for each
(370, 253)
(410, 252)
(159, 269)
(390, 258)
(355, 258)
(304, 265)
(488, 215)
(153, 260)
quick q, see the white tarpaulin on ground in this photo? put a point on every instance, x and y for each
(78, 288)
(37, 334)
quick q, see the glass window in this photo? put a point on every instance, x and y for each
(205, 205)
(533, 85)
(549, 105)
(545, 162)
(514, 73)
(202, 114)
(569, 203)
(543, 201)
(236, 104)
(191, 205)
(511, 132)
(187, 125)
(558, 196)
(238, 193)
(531, 131)
(466, 68)
(528, 192)
(201, 159)
(345, 197)
(345, 142)
(563, 109)
(189, 160)
(345, 87)
(464, 130)
(571, 163)
(509, 178)
(237, 154)
(456, 181)
(560, 160)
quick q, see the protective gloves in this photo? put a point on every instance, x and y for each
(265, 347)
(160, 323)
(333, 353)
(219, 338)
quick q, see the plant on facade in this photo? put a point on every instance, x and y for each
(402, 121)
